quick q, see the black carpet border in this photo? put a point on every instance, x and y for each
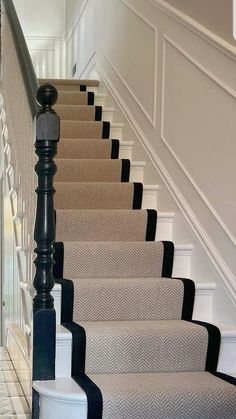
(67, 299)
(188, 300)
(225, 377)
(83, 88)
(115, 148)
(168, 258)
(106, 130)
(92, 391)
(138, 195)
(151, 225)
(90, 100)
(214, 338)
(125, 170)
(59, 260)
(98, 113)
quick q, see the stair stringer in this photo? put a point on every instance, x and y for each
(207, 265)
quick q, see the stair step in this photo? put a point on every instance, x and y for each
(75, 98)
(141, 346)
(93, 170)
(70, 84)
(102, 195)
(105, 225)
(79, 112)
(113, 260)
(122, 299)
(88, 149)
(85, 129)
(136, 396)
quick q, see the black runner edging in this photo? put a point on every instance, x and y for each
(188, 300)
(151, 225)
(138, 195)
(83, 88)
(98, 113)
(67, 299)
(213, 349)
(94, 396)
(125, 170)
(78, 347)
(228, 378)
(115, 146)
(90, 100)
(55, 217)
(105, 130)
(59, 260)
(168, 258)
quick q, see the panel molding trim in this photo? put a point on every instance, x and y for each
(151, 118)
(226, 88)
(225, 274)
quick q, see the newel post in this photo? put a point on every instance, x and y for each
(44, 317)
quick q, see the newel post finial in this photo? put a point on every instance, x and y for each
(44, 318)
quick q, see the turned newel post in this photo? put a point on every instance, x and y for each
(44, 318)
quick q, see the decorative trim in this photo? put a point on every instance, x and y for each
(87, 64)
(196, 28)
(75, 19)
(150, 119)
(226, 275)
(173, 153)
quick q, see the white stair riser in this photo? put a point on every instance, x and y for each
(116, 131)
(203, 304)
(164, 228)
(182, 263)
(61, 409)
(108, 114)
(100, 100)
(227, 360)
(126, 150)
(150, 197)
(136, 173)
(63, 352)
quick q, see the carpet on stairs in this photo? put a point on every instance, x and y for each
(136, 352)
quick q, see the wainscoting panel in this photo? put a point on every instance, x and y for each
(134, 45)
(198, 127)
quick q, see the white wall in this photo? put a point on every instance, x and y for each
(177, 83)
(43, 24)
(80, 39)
(217, 15)
(71, 7)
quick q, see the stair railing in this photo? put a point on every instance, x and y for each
(24, 120)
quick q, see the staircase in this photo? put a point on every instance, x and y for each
(136, 352)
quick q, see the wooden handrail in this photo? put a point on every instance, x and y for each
(27, 68)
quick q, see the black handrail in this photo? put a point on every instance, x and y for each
(27, 68)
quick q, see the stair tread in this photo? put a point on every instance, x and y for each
(74, 82)
(104, 299)
(192, 395)
(116, 259)
(105, 225)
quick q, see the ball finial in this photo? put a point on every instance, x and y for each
(47, 95)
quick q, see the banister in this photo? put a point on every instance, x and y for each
(27, 68)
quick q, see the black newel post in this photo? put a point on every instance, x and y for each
(44, 317)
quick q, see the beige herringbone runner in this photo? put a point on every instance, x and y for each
(131, 326)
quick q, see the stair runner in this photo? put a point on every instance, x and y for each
(136, 352)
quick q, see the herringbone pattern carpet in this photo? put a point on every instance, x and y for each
(131, 327)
